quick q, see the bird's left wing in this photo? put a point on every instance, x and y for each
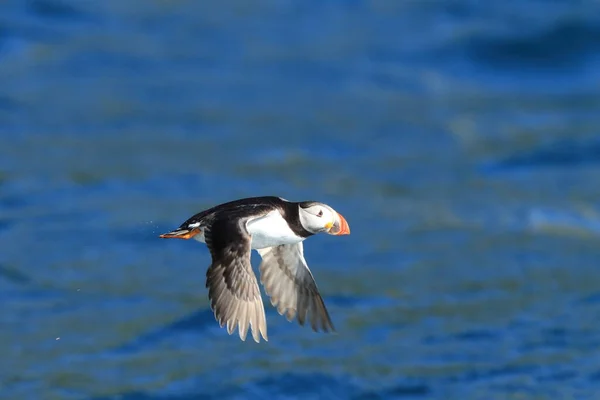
(291, 286)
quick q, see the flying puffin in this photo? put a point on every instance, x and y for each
(275, 228)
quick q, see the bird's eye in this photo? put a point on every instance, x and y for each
(320, 214)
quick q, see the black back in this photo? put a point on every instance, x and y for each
(254, 206)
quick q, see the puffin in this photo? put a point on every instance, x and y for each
(276, 229)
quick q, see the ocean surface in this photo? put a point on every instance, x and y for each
(460, 139)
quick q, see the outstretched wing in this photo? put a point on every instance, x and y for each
(232, 287)
(291, 286)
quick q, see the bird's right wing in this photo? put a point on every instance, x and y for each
(291, 286)
(232, 287)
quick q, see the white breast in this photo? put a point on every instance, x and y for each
(271, 230)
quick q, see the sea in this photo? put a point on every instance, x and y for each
(460, 139)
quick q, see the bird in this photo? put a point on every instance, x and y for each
(276, 229)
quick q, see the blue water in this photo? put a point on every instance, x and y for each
(460, 139)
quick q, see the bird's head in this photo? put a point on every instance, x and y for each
(317, 217)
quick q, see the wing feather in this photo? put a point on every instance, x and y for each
(232, 286)
(291, 286)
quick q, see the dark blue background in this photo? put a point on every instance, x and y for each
(459, 138)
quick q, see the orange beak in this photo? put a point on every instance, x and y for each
(341, 227)
(180, 234)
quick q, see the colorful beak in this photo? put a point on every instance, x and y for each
(181, 234)
(340, 227)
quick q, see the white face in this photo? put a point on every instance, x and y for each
(318, 217)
